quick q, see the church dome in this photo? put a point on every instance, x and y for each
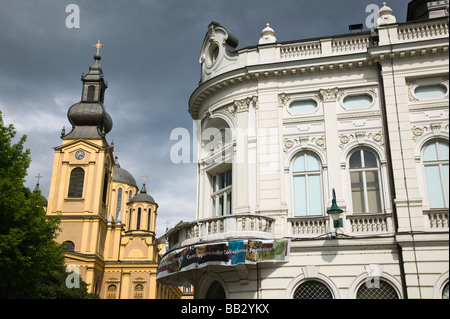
(143, 196)
(122, 175)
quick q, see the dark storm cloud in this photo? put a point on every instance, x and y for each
(150, 60)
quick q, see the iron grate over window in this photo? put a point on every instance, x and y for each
(383, 291)
(215, 291)
(312, 290)
(445, 292)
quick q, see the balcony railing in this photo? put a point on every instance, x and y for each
(308, 226)
(358, 224)
(423, 30)
(370, 223)
(221, 228)
(437, 219)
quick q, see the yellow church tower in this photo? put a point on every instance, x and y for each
(108, 227)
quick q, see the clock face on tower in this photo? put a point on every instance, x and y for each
(79, 155)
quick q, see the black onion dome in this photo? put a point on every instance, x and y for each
(88, 117)
(86, 114)
(143, 197)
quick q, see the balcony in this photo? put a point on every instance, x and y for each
(221, 228)
(354, 225)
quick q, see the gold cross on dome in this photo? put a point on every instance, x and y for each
(98, 45)
(39, 177)
(145, 177)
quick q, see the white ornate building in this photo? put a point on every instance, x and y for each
(282, 124)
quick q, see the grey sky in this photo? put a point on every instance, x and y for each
(150, 60)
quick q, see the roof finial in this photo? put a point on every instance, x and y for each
(98, 45)
(267, 35)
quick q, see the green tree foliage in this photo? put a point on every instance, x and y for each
(31, 261)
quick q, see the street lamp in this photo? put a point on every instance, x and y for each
(334, 212)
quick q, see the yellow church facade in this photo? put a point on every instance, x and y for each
(107, 222)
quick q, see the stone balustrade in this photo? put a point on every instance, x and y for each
(221, 228)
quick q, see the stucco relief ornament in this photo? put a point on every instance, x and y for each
(377, 137)
(417, 132)
(283, 99)
(288, 144)
(329, 95)
(344, 139)
(243, 105)
(320, 141)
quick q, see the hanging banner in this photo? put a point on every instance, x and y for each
(225, 254)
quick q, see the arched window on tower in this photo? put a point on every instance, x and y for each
(105, 187)
(149, 218)
(76, 183)
(119, 202)
(91, 93)
(138, 219)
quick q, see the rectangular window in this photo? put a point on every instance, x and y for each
(357, 192)
(221, 196)
(434, 187)
(300, 198)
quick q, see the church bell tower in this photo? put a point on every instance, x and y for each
(82, 175)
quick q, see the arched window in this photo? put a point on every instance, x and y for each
(382, 291)
(105, 187)
(215, 291)
(365, 182)
(138, 291)
(119, 202)
(69, 246)
(76, 183)
(149, 218)
(307, 188)
(435, 162)
(91, 93)
(138, 219)
(130, 219)
(312, 289)
(111, 293)
(221, 193)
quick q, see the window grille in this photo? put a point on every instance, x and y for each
(215, 291)
(383, 291)
(445, 292)
(312, 290)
